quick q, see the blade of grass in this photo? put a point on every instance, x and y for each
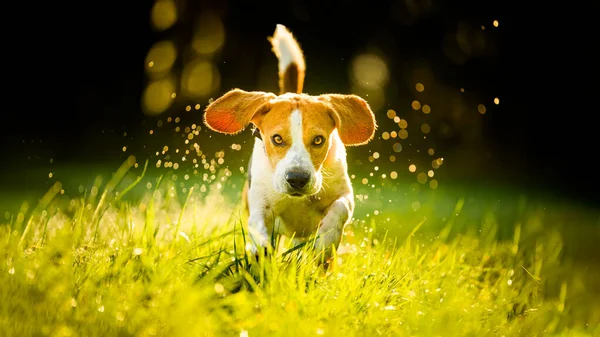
(148, 224)
(42, 204)
(235, 253)
(181, 213)
(110, 187)
(133, 184)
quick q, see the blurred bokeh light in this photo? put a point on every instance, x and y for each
(209, 34)
(158, 96)
(199, 79)
(369, 71)
(163, 14)
(369, 76)
(160, 58)
(181, 71)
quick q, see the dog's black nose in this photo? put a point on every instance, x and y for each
(296, 179)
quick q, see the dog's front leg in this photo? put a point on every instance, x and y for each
(259, 222)
(332, 226)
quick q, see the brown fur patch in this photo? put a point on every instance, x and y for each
(276, 122)
(291, 80)
(232, 112)
(316, 121)
(353, 117)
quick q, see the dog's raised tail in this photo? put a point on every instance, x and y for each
(291, 60)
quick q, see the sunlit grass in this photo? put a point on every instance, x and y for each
(103, 265)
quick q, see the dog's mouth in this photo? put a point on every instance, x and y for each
(300, 193)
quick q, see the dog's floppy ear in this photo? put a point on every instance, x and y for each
(232, 112)
(353, 118)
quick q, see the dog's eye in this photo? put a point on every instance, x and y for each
(319, 140)
(277, 140)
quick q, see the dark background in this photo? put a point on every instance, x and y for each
(74, 74)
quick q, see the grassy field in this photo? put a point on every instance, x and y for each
(139, 256)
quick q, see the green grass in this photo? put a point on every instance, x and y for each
(173, 264)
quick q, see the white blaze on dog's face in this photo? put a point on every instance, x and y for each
(296, 130)
(296, 173)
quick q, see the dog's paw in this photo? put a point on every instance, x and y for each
(255, 250)
(324, 247)
(328, 239)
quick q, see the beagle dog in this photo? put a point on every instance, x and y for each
(298, 183)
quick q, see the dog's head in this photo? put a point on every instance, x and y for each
(296, 130)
